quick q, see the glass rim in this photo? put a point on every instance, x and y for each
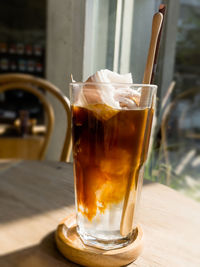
(114, 83)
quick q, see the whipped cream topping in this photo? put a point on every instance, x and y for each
(116, 93)
(107, 76)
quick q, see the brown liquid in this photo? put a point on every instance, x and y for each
(107, 153)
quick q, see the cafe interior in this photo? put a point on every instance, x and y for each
(44, 46)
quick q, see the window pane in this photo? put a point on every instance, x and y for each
(100, 35)
(176, 156)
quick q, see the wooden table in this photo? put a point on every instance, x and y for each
(35, 196)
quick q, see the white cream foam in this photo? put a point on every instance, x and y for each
(119, 96)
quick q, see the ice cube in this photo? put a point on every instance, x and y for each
(107, 76)
(105, 93)
(102, 111)
(128, 98)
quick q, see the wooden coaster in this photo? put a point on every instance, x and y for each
(71, 246)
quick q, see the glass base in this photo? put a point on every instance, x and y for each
(101, 243)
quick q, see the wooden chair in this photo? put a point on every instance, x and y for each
(32, 85)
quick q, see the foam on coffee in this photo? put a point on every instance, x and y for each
(115, 93)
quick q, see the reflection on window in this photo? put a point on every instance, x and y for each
(175, 159)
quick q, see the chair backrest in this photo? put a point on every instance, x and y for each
(33, 85)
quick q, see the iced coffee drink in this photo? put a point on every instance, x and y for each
(111, 131)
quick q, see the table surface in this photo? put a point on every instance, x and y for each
(36, 196)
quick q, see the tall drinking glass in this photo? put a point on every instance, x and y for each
(110, 147)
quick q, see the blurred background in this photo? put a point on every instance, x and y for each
(54, 39)
(22, 50)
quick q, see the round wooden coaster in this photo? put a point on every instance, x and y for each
(71, 246)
